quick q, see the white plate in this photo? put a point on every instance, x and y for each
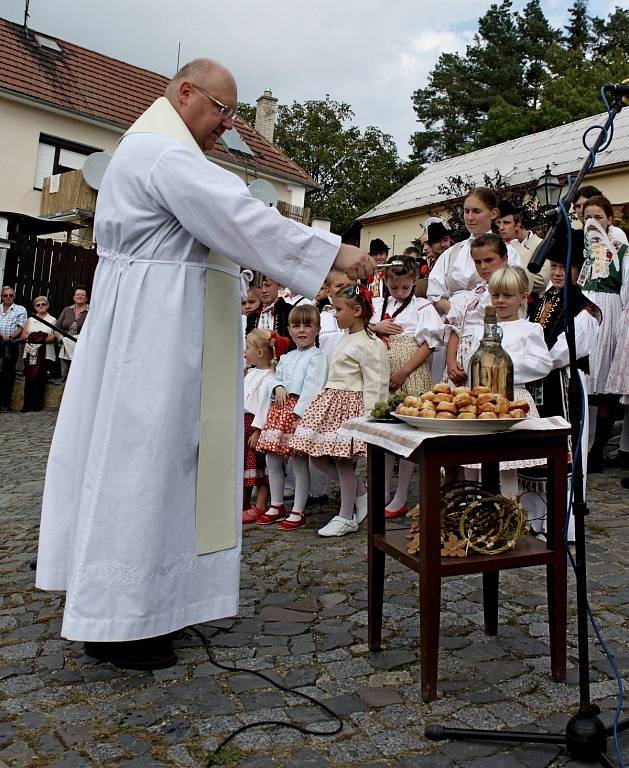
(459, 426)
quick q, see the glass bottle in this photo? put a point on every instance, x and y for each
(490, 365)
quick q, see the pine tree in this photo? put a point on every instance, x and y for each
(578, 35)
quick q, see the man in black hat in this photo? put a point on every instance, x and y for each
(439, 239)
(378, 250)
(525, 242)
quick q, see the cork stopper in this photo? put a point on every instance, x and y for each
(490, 314)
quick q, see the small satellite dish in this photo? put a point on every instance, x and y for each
(94, 168)
(263, 190)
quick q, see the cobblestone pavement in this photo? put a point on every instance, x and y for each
(303, 619)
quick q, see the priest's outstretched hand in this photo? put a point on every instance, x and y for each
(356, 264)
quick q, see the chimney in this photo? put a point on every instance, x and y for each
(266, 112)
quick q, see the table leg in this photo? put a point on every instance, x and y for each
(375, 490)
(556, 576)
(429, 573)
(490, 601)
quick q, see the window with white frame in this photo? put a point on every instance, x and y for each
(56, 156)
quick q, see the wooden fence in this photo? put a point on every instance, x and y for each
(38, 267)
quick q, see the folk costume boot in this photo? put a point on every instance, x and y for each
(147, 654)
(604, 427)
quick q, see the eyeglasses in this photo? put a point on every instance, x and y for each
(8, 295)
(225, 111)
(41, 304)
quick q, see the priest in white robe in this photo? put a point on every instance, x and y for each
(141, 509)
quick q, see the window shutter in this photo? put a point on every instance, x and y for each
(70, 159)
(44, 165)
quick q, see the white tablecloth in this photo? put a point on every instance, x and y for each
(403, 439)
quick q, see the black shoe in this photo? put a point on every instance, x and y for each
(625, 482)
(621, 459)
(145, 655)
(33, 565)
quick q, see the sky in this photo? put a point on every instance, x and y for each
(371, 54)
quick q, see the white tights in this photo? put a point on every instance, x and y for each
(301, 470)
(351, 485)
(405, 473)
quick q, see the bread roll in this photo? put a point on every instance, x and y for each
(449, 407)
(487, 397)
(487, 408)
(462, 399)
(480, 390)
(502, 406)
(473, 409)
(461, 390)
(441, 388)
(466, 415)
(517, 413)
(520, 404)
(446, 415)
(443, 398)
(428, 397)
(487, 415)
(427, 414)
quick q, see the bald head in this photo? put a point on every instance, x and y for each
(198, 92)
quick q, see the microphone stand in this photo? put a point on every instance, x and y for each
(585, 737)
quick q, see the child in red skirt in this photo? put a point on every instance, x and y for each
(300, 375)
(262, 348)
(358, 378)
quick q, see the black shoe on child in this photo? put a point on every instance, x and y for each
(145, 655)
(621, 459)
(625, 482)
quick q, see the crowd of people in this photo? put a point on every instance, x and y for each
(311, 366)
(46, 344)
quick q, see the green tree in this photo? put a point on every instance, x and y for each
(247, 112)
(354, 169)
(519, 76)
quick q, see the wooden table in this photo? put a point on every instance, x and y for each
(430, 456)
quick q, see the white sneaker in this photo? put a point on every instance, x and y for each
(360, 508)
(339, 526)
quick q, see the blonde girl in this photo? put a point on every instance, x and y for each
(260, 354)
(358, 378)
(300, 375)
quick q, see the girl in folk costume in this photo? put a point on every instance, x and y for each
(410, 328)
(551, 394)
(524, 343)
(358, 378)
(299, 376)
(604, 279)
(330, 333)
(454, 270)
(465, 319)
(262, 349)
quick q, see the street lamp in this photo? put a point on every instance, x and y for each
(548, 190)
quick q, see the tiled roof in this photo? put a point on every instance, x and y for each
(519, 160)
(100, 88)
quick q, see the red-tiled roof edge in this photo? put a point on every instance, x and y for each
(291, 172)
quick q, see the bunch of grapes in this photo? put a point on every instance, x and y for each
(384, 409)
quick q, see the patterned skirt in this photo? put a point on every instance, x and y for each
(401, 349)
(278, 430)
(317, 433)
(255, 465)
(603, 353)
(618, 380)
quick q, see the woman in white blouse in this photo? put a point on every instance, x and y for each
(454, 270)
